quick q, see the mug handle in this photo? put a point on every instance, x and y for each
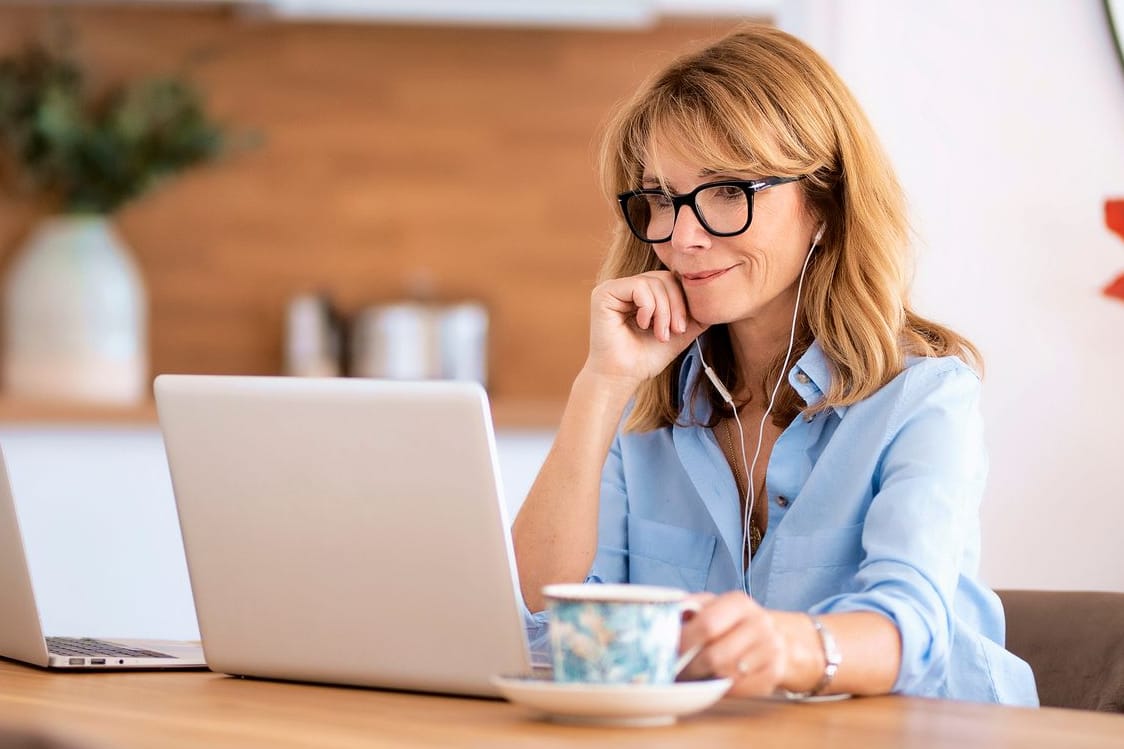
(689, 655)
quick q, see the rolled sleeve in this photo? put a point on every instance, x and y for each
(538, 635)
(930, 478)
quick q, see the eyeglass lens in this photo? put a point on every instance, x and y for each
(723, 209)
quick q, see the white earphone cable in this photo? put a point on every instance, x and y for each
(751, 494)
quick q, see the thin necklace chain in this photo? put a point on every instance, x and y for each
(755, 532)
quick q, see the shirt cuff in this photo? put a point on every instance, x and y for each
(537, 627)
(924, 643)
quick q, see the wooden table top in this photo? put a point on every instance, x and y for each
(202, 709)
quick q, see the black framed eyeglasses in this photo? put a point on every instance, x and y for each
(725, 208)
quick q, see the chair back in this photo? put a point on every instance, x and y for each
(1074, 642)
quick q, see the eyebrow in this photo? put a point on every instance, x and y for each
(649, 181)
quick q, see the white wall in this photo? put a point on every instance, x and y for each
(1005, 120)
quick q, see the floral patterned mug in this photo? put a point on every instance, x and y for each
(617, 634)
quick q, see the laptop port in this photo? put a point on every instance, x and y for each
(97, 661)
(77, 661)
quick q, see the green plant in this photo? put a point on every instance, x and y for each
(94, 153)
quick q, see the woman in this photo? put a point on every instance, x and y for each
(762, 418)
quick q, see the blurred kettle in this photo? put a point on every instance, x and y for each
(313, 337)
(414, 341)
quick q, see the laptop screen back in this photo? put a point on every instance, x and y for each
(21, 635)
(344, 531)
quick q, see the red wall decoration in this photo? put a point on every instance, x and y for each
(1114, 219)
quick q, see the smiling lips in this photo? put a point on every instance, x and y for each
(703, 277)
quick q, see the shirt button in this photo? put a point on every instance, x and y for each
(782, 501)
(802, 378)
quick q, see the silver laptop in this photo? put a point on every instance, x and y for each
(21, 630)
(345, 531)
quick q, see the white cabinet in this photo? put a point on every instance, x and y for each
(100, 529)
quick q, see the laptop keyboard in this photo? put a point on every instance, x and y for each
(89, 647)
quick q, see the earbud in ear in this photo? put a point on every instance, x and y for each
(819, 234)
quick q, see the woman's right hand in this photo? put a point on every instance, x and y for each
(638, 325)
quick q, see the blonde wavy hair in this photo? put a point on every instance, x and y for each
(763, 102)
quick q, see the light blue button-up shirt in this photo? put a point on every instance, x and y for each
(873, 507)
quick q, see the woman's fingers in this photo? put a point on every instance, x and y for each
(661, 318)
(699, 599)
(710, 624)
(654, 300)
(721, 614)
(639, 324)
(739, 641)
(644, 298)
(677, 306)
(653, 304)
(749, 651)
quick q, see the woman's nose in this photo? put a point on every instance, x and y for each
(688, 233)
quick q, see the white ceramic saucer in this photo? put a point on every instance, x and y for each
(612, 704)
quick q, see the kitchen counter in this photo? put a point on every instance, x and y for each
(506, 413)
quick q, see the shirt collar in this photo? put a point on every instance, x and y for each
(810, 377)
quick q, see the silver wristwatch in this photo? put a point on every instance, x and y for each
(832, 658)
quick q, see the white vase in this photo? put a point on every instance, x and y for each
(75, 316)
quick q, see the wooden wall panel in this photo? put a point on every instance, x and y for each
(463, 155)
